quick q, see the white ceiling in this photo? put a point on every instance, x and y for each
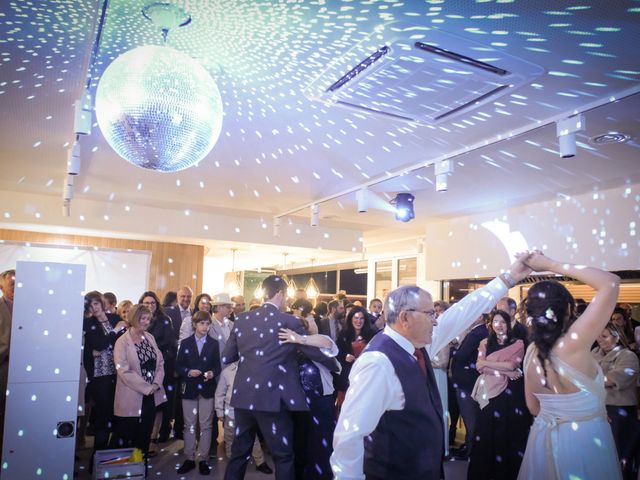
(279, 151)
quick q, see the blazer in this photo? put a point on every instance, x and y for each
(130, 386)
(267, 379)
(217, 333)
(620, 365)
(5, 338)
(189, 359)
(324, 328)
(463, 362)
(96, 339)
(176, 319)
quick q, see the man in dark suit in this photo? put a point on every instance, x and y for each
(464, 376)
(267, 387)
(198, 366)
(332, 324)
(180, 314)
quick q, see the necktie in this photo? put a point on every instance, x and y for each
(420, 356)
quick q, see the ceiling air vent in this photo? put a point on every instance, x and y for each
(419, 74)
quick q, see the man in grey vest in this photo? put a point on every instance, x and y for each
(391, 425)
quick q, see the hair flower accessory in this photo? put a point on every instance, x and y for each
(550, 315)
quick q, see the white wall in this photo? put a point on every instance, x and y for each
(125, 273)
(600, 229)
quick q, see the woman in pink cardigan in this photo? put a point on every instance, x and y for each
(140, 372)
(503, 424)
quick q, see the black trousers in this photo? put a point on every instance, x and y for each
(103, 390)
(136, 431)
(277, 428)
(169, 407)
(469, 409)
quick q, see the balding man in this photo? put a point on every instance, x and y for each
(238, 308)
(391, 425)
(7, 285)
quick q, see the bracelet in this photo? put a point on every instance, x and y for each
(508, 280)
(304, 339)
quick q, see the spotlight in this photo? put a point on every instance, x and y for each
(315, 215)
(361, 197)
(66, 208)
(442, 170)
(67, 190)
(404, 206)
(73, 159)
(566, 130)
(82, 115)
(276, 226)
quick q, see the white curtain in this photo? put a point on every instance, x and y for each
(125, 273)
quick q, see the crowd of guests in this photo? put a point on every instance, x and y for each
(166, 370)
(156, 370)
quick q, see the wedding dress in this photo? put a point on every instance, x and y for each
(570, 438)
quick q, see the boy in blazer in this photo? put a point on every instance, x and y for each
(198, 366)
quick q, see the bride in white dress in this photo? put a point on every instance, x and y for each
(570, 438)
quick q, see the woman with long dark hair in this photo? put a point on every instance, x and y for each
(162, 330)
(564, 385)
(503, 423)
(351, 341)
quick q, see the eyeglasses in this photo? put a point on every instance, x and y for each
(428, 313)
(149, 303)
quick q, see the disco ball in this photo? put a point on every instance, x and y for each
(159, 109)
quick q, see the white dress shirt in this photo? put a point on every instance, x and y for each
(375, 388)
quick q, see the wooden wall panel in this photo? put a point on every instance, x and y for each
(172, 264)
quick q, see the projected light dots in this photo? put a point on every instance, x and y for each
(300, 40)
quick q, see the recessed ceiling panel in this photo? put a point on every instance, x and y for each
(420, 74)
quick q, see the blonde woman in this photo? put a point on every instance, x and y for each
(140, 372)
(124, 307)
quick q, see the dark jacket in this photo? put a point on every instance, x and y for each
(267, 376)
(96, 339)
(463, 363)
(207, 360)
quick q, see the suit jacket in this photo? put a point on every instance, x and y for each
(267, 379)
(463, 362)
(5, 339)
(216, 332)
(324, 328)
(176, 319)
(189, 359)
(130, 386)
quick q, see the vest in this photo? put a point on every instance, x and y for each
(407, 444)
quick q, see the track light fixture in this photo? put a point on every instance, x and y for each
(73, 159)
(361, 197)
(82, 115)
(276, 226)
(315, 215)
(67, 189)
(566, 130)
(442, 171)
(403, 203)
